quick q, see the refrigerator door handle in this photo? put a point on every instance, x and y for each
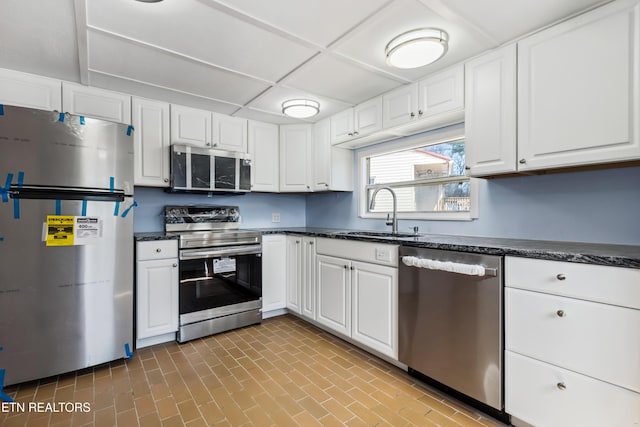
(66, 193)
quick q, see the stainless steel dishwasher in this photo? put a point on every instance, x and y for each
(450, 326)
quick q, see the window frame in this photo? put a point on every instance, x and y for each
(438, 136)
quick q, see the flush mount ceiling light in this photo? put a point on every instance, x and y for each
(416, 48)
(300, 108)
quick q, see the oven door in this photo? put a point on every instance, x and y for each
(219, 281)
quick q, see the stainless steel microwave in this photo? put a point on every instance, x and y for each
(202, 169)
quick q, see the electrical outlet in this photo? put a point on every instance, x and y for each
(275, 217)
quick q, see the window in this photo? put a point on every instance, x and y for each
(426, 174)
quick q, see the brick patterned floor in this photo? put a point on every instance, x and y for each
(284, 372)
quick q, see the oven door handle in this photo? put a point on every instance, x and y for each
(220, 252)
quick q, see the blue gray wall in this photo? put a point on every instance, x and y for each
(255, 208)
(595, 206)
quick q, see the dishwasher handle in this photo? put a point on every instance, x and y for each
(451, 267)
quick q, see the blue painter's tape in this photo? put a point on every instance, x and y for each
(127, 351)
(1, 110)
(3, 396)
(116, 209)
(126, 211)
(1, 348)
(61, 117)
(1, 239)
(81, 120)
(112, 184)
(129, 130)
(84, 208)
(58, 207)
(16, 202)
(5, 189)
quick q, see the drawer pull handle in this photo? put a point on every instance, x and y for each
(561, 386)
(561, 277)
(158, 250)
(561, 313)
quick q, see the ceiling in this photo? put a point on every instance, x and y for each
(245, 57)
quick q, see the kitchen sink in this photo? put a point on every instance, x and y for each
(378, 234)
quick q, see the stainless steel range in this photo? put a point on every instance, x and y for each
(220, 269)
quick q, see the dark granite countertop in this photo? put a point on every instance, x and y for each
(151, 236)
(585, 253)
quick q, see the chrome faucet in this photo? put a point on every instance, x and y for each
(392, 222)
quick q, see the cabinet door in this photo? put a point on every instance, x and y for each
(400, 106)
(367, 117)
(375, 307)
(97, 103)
(490, 113)
(157, 297)
(190, 126)
(308, 305)
(28, 90)
(342, 126)
(264, 147)
(321, 156)
(334, 293)
(578, 95)
(274, 272)
(294, 273)
(441, 93)
(151, 142)
(229, 133)
(295, 165)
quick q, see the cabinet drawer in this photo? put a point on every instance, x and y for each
(533, 395)
(156, 249)
(594, 339)
(612, 285)
(376, 253)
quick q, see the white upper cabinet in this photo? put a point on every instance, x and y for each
(356, 122)
(28, 90)
(190, 126)
(437, 94)
(490, 113)
(399, 106)
(295, 164)
(151, 142)
(228, 133)
(97, 103)
(332, 166)
(264, 147)
(578, 90)
(443, 92)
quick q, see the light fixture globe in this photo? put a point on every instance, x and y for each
(417, 48)
(300, 108)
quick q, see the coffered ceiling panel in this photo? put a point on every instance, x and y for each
(334, 78)
(117, 57)
(261, 116)
(317, 21)
(192, 29)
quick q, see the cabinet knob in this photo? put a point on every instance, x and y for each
(166, 180)
(297, 241)
(523, 161)
(412, 115)
(175, 264)
(326, 185)
(158, 250)
(561, 313)
(208, 144)
(346, 266)
(311, 243)
(420, 112)
(561, 386)
(215, 145)
(350, 134)
(561, 277)
(355, 132)
(467, 168)
(351, 268)
(308, 187)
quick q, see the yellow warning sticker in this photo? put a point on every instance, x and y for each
(60, 230)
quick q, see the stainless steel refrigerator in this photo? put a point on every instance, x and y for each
(66, 243)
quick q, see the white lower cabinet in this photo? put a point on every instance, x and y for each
(274, 274)
(157, 293)
(572, 343)
(359, 299)
(300, 275)
(294, 273)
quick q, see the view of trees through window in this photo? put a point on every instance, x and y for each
(425, 179)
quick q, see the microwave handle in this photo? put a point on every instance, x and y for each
(220, 252)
